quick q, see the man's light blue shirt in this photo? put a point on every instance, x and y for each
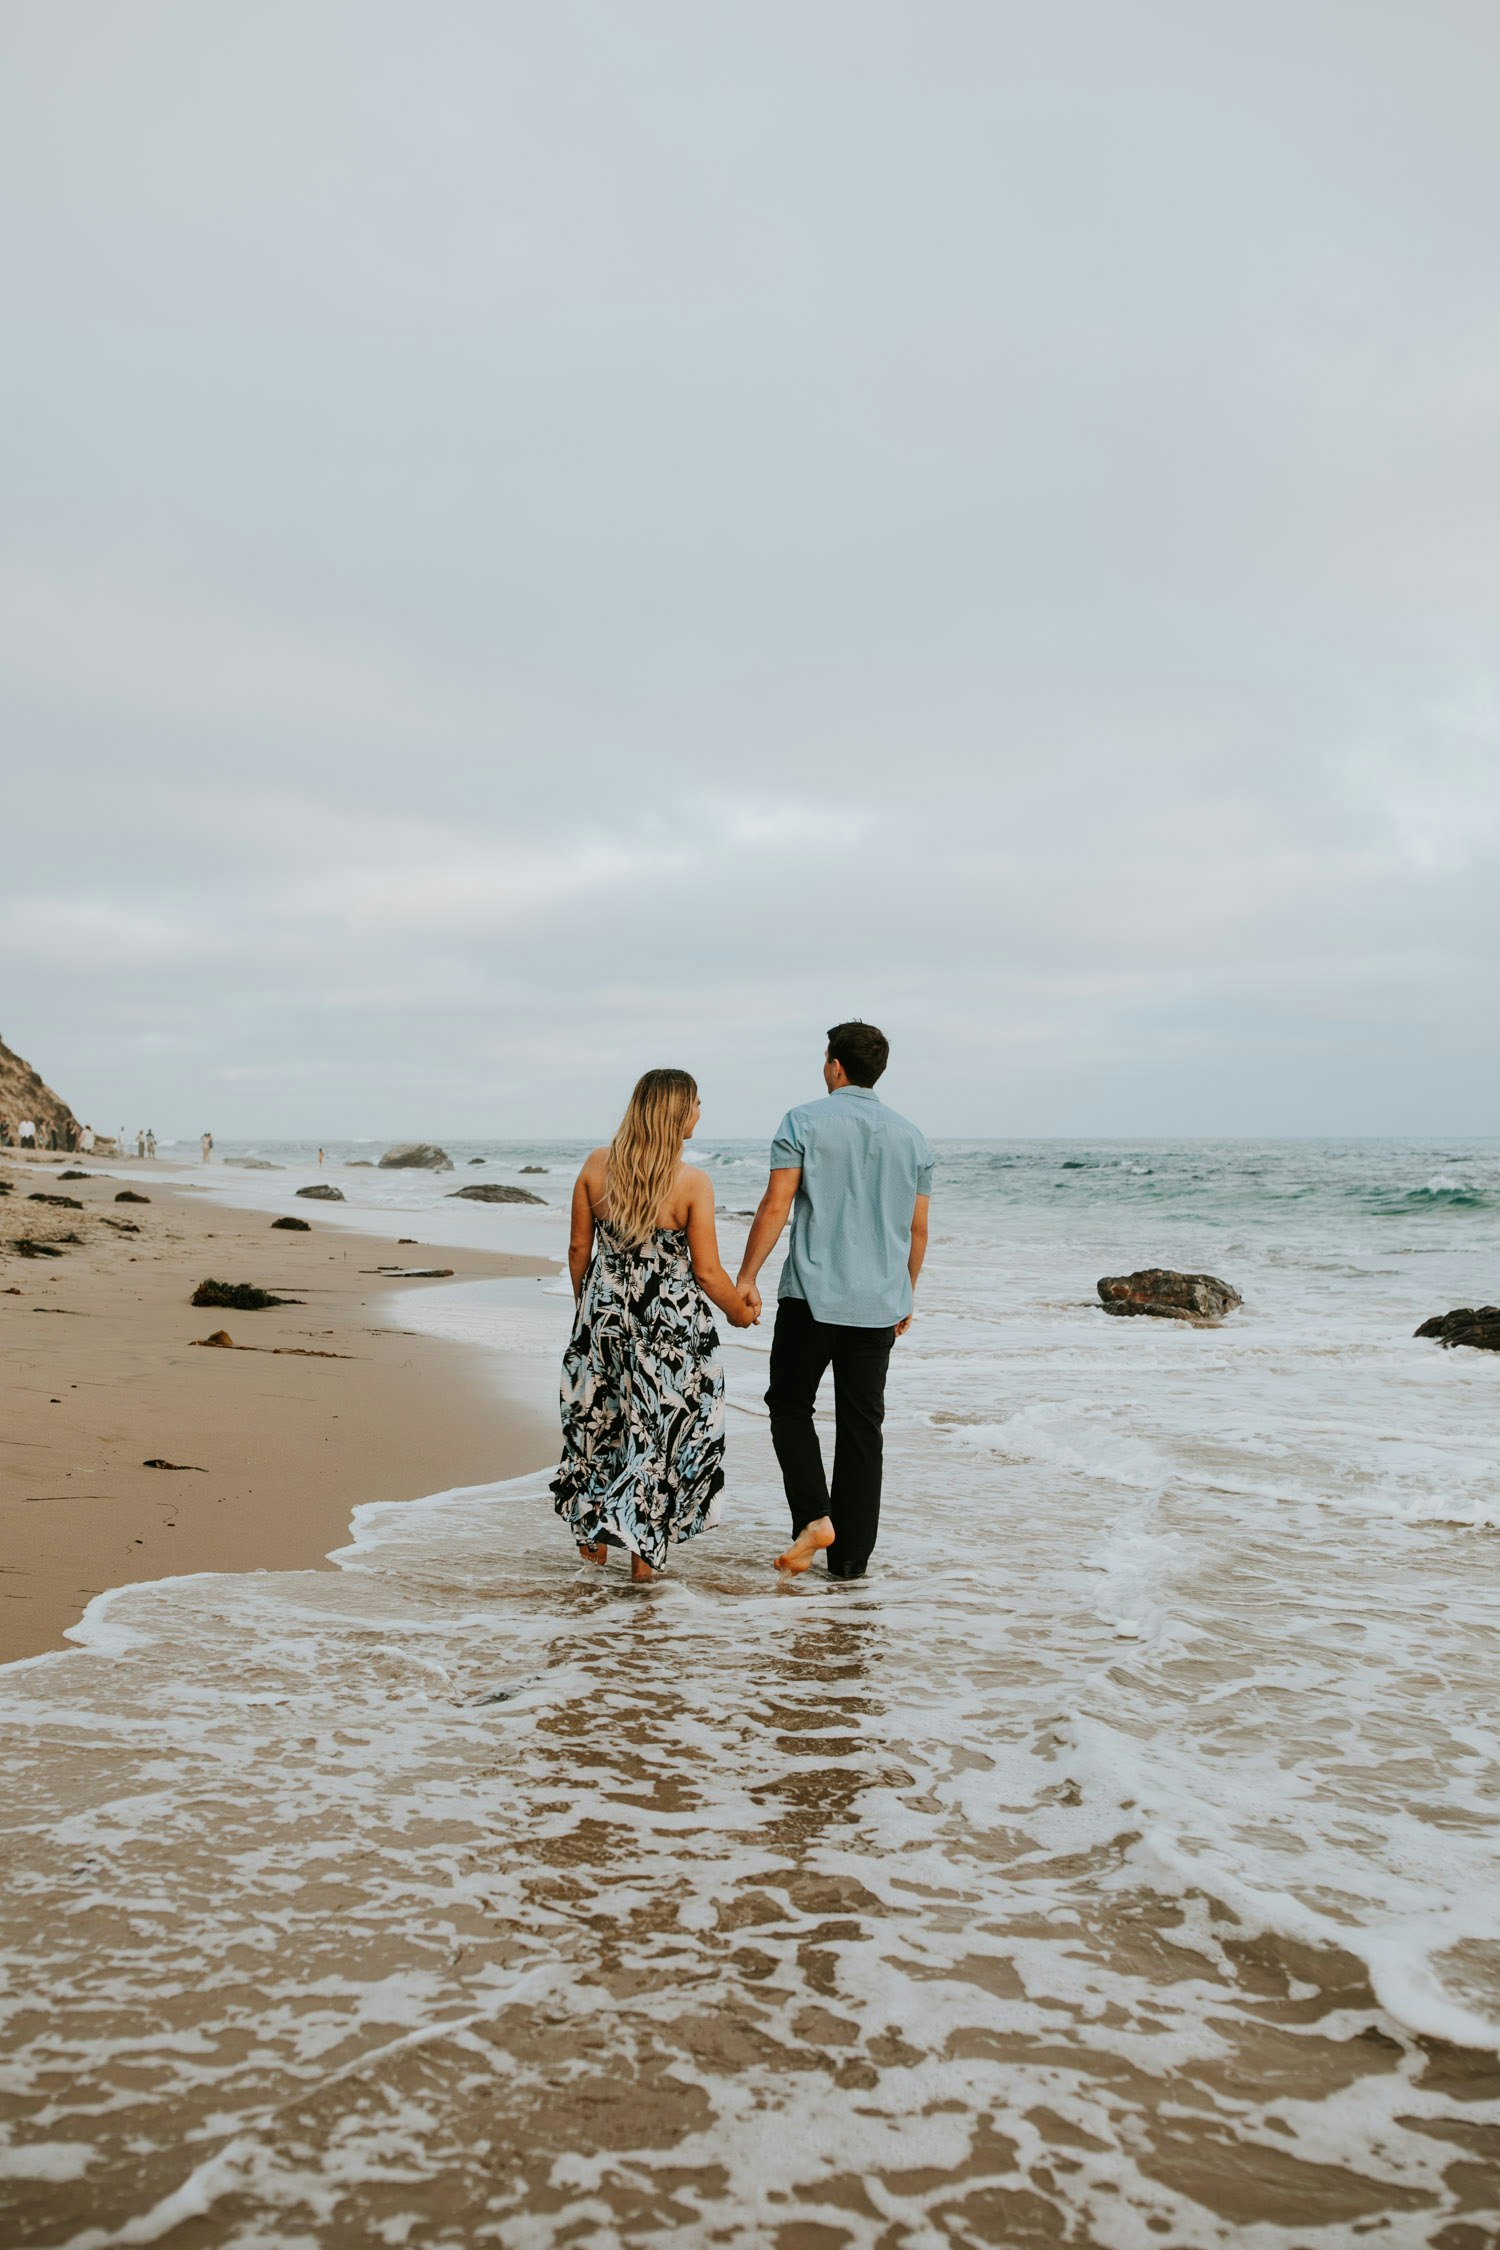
(862, 1167)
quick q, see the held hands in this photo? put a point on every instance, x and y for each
(751, 1296)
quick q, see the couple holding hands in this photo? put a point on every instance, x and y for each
(643, 1388)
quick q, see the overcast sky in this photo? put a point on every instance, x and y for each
(544, 539)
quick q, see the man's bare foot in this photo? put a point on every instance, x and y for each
(641, 1572)
(809, 1542)
(599, 1554)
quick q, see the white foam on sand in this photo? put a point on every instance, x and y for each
(1112, 1865)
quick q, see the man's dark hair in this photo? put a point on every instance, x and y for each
(863, 1051)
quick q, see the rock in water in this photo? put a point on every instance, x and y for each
(492, 1191)
(1478, 1326)
(1165, 1295)
(323, 1193)
(525, 1168)
(416, 1156)
(296, 1226)
(254, 1164)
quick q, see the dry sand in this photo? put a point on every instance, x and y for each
(104, 1373)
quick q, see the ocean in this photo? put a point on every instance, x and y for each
(1116, 1865)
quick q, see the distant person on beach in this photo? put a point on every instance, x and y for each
(854, 1178)
(140, 1140)
(206, 1144)
(86, 1140)
(28, 1136)
(150, 1142)
(642, 1388)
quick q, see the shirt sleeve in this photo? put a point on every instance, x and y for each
(924, 1169)
(786, 1148)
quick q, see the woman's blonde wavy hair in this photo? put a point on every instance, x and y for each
(646, 1151)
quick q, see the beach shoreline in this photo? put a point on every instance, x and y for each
(325, 1403)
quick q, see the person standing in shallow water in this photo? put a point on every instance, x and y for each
(855, 1179)
(642, 1388)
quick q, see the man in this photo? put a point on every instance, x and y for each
(855, 1179)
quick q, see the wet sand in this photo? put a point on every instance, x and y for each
(105, 1372)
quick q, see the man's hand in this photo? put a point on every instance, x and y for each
(751, 1295)
(903, 1325)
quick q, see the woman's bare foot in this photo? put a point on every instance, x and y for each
(641, 1572)
(599, 1554)
(809, 1542)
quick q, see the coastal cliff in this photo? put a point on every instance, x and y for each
(24, 1094)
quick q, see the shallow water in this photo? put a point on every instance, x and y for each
(1116, 1865)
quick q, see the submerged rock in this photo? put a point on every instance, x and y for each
(1477, 1326)
(533, 1168)
(416, 1156)
(254, 1164)
(492, 1191)
(359, 1164)
(323, 1193)
(1164, 1295)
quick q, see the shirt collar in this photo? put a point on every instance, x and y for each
(861, 1093)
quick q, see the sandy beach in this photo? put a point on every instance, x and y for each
(329, 1402)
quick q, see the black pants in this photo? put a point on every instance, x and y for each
(802, 1350)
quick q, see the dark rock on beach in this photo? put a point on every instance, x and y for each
(243, 1296)
(1162, 1294)
(1477, 1326)
(26, 1248)
(58, 1202)
(128, 1195)
(416, 1156)
(492, 1191)
(323, 1193)
(295, 1226)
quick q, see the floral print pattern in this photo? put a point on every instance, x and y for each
(642, 1401)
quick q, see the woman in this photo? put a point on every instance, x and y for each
(642, 1388)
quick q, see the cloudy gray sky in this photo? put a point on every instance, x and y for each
(542, 539)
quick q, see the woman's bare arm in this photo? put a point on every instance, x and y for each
(703, 1249)
(581, 1230)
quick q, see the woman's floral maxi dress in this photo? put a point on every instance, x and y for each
(642, 1401)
